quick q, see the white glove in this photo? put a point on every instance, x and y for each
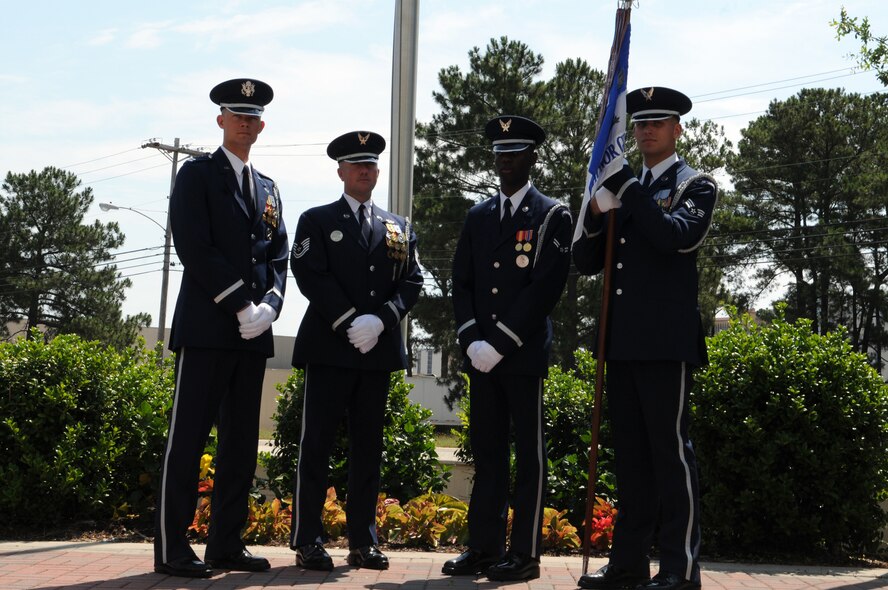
(368, 346)
(606, 200)
(265, 315)
(247, 314)
(485, 356)
(364, 331)
(472, 350)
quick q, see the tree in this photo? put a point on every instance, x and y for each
(704, 147)
(810, 174)
(873, 50)
(55, 272)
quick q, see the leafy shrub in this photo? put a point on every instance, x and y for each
(82, 429)
(568, 398)
(427, 521)
(792, 436)
(267, 521)
(601, 533)
(558, 533)
(409, 462)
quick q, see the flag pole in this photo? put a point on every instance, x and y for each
(620, 29)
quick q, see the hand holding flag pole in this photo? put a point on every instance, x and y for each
(607, 158)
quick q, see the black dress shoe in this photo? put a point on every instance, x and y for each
(514, 566)
(668, 581)
(243, 561)
(614, 578)
(186, 567)
(469, 563)
(369, 557)
(314, 557)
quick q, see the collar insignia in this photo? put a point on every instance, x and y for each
(248, 88)
(505, 125)
(363, 138)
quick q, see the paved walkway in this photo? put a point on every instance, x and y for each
(118, 566)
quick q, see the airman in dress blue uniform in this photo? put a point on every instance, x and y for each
(509, 270)
(356, 264)
(654, 339)
(230, 236)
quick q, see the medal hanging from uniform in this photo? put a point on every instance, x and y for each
(397, 246)
(396, 241)
(522, 245)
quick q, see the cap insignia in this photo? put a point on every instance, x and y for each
(648, 94)
(363, 138)
(505, 125)
(248, 88)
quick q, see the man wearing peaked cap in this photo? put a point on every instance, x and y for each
(356, 264)
(654, 340)
(229, 234)
(509, 269)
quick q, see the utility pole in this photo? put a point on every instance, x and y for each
(175, 150)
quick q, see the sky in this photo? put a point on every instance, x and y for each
(88, 83)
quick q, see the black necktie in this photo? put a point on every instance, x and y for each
(648, 177)
(507, 214)
(365, 225)
(245, 191)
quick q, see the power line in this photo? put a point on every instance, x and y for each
(728, 93)
(91, 182)
(99, 158)
(115, 165)
(776, 82)
(776, 88)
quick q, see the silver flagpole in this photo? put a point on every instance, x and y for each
(403, 111)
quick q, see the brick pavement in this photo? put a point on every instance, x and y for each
(128, 566)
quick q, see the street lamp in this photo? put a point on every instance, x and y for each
(165, 281)
(113, 207)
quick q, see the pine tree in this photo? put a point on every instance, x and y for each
(56, 275)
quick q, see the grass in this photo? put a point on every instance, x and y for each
(445, 438)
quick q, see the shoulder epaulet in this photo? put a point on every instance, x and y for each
(203, 159)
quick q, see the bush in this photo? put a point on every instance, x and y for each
(791, 430)
(568, 398)
(82, 429)
(409, 465)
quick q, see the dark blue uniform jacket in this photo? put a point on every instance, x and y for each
(654, 313)
(343, 279)
(505, 283)
(230, 258)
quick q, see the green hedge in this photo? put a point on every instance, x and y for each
(791, 430)
(409, 463)
(82, 429)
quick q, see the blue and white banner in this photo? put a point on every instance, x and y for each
(608, 148)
